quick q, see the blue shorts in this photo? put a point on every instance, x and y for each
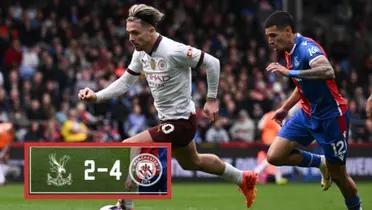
(331, 134)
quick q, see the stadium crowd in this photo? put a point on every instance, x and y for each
(50, 50)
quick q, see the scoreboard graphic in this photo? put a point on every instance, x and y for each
(97, 171)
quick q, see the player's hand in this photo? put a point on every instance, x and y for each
(87, 95)
(211, 108)
(279, 115)
(277, 68)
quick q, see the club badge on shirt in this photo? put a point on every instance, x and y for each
(153, 64)
(162, 64)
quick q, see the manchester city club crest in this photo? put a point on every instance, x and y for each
(57, 176)
(145, 169)
(162, 64)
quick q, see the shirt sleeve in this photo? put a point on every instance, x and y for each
(135, 65)
(312, 51)
(189, 56)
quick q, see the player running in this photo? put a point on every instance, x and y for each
(167, 65)
(324, 115)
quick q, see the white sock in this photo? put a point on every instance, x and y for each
(232, 174)
(129, 204)
(261, 167)
(322, 161)
(2, 174)
(278, 175)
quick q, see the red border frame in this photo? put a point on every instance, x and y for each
(27, 195)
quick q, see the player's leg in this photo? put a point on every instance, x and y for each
(346, 185)
(283, 151)
(143, 137)
(279, 179)
(190, 159)
(121, 204)
(333, 139)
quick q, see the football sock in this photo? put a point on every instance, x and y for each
(278, 175)
(128, 204)
(309, 159)
(353, 203)
(2, 174)
(261, 167)
(232, 174)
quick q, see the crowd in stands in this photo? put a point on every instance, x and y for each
(51, 49)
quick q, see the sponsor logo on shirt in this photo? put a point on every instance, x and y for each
(313, 50)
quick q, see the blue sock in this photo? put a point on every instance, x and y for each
(309, 159)
(353, 203)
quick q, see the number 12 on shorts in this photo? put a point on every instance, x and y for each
(339, 149)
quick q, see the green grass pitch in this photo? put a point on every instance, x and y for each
(209, 196)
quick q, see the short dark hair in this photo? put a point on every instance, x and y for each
(280, 19)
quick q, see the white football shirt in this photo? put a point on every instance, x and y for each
(168, 72)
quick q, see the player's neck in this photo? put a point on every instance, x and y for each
(152, 43)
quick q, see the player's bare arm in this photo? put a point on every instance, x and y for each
(282, 112)
(320, 69)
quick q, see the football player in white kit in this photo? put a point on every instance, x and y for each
(167, 65)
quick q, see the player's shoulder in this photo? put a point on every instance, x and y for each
(308, 47)
(138, 54)
(170, 47)
(177, 49)
(169, 43)
(306, 43)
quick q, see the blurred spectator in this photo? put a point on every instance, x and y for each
(52, 131)
(243, 128)
(61, 115)
(6, 138)
(47, 106)
(269, 128)
(216, 133)
(85, 116)
(13, 55)
(106, 133)
(34, 133)
(358, 128)
(136, 121)
(1, 79)
(30, 61)
(35, 112)
(73, 130)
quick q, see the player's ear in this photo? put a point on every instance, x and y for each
(152, 29)
(288, 29)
